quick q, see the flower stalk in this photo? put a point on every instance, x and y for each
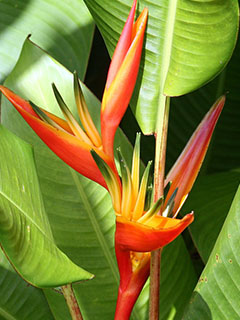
(141, 228)
(159, 174)
(71, 301)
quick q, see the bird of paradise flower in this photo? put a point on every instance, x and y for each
(140, 229)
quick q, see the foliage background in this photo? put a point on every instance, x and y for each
(67, 36)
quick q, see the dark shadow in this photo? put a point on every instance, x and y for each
(98, 65)
(16, 7)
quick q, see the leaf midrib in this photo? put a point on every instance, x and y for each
(168, 40)
(165, 61)
(98, 231)
(95, 225)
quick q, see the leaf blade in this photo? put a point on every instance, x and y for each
(26, 236)
(216, 294)
(73, 230)
(53, 25)
(15, 295)
(169, 47)
(210, 198)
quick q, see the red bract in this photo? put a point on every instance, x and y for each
(66, 138)
(185, 170)
(62, 141)
(144, 237)
(122, 76)
(140, 231)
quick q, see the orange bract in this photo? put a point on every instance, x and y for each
(122, 76)
(138, 232)
(67, 138)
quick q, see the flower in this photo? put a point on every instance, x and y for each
(140, 230)
(122, 76)
(66, 137)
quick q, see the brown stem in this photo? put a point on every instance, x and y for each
(159, 173)
(71, 302)
(160, 156)
(155, 284)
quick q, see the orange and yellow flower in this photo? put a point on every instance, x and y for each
(140, 230)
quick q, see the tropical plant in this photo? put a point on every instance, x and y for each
(56, 226)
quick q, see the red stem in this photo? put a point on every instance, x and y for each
(159, 173)
(71, 302)
(131, 283)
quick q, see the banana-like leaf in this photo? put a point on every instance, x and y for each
(15, 295)
(187, 44)
(64, 28)
(25, 234)
(186, 112)
(211, 198)
(217, 294)
(80, 211)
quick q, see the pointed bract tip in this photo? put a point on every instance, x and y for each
(144, 13)
(220, 102)
(189, 216)
(185, 170)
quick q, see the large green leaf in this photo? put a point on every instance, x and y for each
(187, 111)
(187, 44)
(15, 295)
(80, 211)
(216, 296)
(211, 199)
(25, 233)
(64, 28)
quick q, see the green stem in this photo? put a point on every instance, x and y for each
(71, 302)
(159, 173)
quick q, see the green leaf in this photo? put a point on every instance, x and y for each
(217, 293)
(210, 199)
(15, 295)
(57, 304)
(25, 233)
(63, 28)
(187, 44)
(187, 111)
(79, 210)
